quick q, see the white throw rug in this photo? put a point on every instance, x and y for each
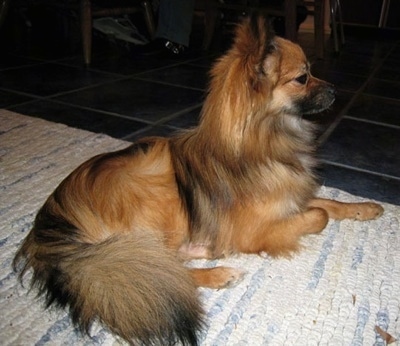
(344, 283)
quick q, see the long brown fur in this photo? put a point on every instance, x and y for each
(111, 241)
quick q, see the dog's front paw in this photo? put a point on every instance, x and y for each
(368, 211)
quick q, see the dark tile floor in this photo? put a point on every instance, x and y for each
(127, 96)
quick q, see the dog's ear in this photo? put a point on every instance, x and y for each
(255, 43)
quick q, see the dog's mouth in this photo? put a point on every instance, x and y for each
(314, 109)
(318, 101)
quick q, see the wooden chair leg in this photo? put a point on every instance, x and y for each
(339, 11)
(86, 29)
(290, 20)
(319, 9)
(4, 5)
(149, 18)
(332, 5)
(210, 19)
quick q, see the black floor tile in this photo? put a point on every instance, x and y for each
(360, 183)
(123, 63)
(8, 99)
(376, 109)
(367, 45)
(342, 81)
(395, 52)
(185, 120)
(8, 61)
(185, 75)
(390, 70)
(138, 99)
(157, 130)
(205, 61)
(348, 63)
(49, 79)
(383, 88)
(364, 146)
(89, 120)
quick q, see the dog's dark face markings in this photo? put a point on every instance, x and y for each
(318, 96)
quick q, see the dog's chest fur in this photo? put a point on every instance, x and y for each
(271, 179)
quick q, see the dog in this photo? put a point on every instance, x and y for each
(110, 243)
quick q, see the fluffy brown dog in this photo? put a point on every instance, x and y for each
(111, 241)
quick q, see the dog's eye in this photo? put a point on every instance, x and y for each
(302, 79)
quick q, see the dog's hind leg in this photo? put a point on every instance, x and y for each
(218, 277)
(339, 210)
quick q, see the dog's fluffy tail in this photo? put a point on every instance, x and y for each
(131, 283)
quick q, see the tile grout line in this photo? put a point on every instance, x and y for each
(383, 175)
(168, 84)
(162, 121)
(378, 123)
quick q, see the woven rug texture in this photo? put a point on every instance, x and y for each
(344, 283)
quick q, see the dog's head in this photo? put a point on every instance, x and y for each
(263, 70)
(295, 90)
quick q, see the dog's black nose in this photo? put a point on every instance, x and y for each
(331, 89)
